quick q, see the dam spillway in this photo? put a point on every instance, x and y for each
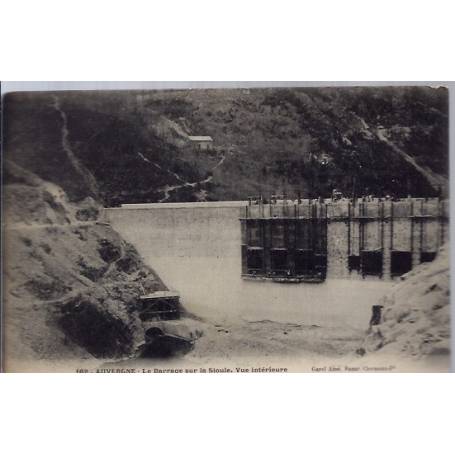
(201, 250)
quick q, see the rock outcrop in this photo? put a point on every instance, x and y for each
(70, 281)
(416, 313)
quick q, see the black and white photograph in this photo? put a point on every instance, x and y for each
(273, 229)
(225, 227)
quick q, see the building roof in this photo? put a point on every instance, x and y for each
(200, 138)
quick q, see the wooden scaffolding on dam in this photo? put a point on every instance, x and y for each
(285, 242)
(307, 240)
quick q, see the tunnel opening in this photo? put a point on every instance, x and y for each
(401, 263)
(354, 263)
(371, 263)
(427, 256)
(159, 344)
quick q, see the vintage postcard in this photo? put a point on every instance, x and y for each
(234, 230)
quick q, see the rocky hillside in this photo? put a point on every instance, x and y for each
(416, 313)
(133, 146)
(70, 282)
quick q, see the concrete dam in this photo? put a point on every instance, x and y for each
(307, 261)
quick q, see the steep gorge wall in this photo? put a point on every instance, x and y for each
(70, 283)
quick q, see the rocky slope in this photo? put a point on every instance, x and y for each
(416, 313)
(70, 282)
(135, 146)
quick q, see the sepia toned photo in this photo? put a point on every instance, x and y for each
(228, 230)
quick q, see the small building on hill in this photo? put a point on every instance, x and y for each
(201, 142)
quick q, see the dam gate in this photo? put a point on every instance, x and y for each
(308, 240)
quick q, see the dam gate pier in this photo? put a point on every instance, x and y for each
(310, 240)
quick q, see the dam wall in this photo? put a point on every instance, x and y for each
(196, 248)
